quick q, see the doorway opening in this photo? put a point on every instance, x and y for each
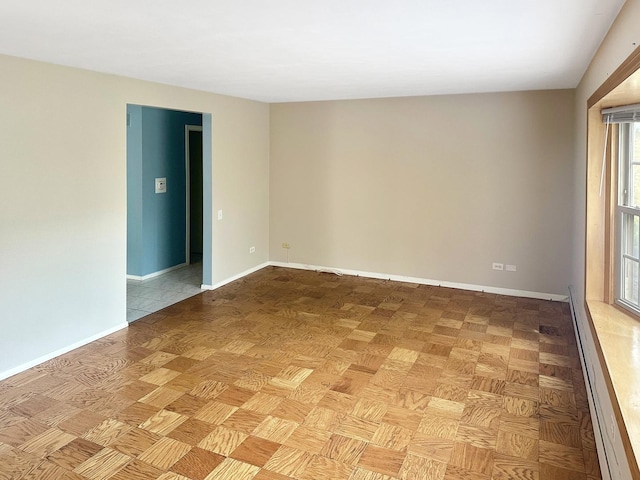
(168, 158)
(193, 165)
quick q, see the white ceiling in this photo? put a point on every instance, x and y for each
(298, 50)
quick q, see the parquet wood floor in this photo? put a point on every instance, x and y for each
(291, 374)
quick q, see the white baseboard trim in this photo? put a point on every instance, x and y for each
(300, 266)
(156, 274)
(235, 277)
(57, 353)
(426, 281)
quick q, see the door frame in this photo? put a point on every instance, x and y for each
(187, 161)
(207, 189)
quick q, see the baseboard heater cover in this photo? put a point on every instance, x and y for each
(596, 411)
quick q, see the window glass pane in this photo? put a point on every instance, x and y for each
(631, 235)
(624, 166)
(635, 250)
(630, 281)
(628, 242)
(634, 191)
(634, 168)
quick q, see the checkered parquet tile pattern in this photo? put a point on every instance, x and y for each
(292, 374)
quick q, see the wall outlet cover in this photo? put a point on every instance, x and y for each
(161, 185)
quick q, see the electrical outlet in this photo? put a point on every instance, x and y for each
(286, 245)
(161, 185)
(497, 266)
(510, 268)
(252, 249)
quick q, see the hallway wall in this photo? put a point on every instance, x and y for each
(156, 221)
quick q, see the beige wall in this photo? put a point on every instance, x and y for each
(63, 198)
(431, 187)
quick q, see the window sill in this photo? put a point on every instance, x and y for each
(617, 337)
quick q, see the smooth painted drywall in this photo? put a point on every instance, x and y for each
(63, 212)
(161, 134)
(622, 39)
(207, 202)
(134, 190)
(163, 219)
(431, 187)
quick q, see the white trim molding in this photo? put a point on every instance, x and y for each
(235, 277)
(396, 278)
(426, 281)
(156, 274)
(61, 351)
(300, 266)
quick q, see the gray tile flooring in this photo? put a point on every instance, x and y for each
(148, 296)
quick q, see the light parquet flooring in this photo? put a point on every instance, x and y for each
(291, 374)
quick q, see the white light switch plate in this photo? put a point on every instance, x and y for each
(161, 185)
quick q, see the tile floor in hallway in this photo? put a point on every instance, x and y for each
(290, 374)
(149, 296)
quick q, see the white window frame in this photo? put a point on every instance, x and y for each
(625, 213)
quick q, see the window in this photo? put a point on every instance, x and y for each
(627, 283)
(612, 323)
(611, 165)
(622, 181)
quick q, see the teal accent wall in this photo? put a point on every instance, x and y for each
(134, 189)
(161, 217)
(207, 199)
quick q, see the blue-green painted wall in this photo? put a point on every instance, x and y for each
(161, 216)
(207, 199)
(134, 189)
